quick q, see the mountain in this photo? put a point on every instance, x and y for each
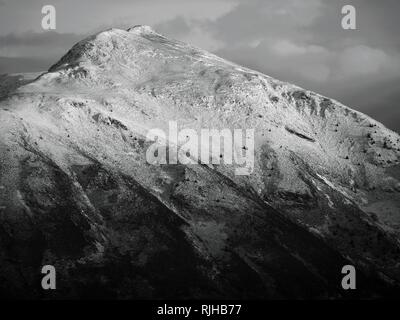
(77, 192)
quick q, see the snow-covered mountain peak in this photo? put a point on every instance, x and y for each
(72, 163)
(141, 29)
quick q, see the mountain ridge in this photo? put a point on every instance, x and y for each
(323, 172)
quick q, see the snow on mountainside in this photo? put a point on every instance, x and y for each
(77, 192)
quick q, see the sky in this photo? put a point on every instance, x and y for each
(299, 41)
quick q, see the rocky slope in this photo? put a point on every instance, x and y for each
(77, 192)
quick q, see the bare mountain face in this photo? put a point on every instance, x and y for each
(77, 192)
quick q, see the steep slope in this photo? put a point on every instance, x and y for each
(78, 193)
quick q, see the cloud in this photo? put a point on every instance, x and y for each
(175, 27)
(362, 60)
(32, 51)
(309, 33)
(21, 65)
(38, 39)
(285, 60)
(274, 18)
(287, 48)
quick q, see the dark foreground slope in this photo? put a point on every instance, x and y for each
(76, 191)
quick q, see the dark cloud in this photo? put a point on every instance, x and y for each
(33, 51)
(379, 100)
(21, 65)
(37, 39)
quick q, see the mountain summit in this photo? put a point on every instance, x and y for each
(76, 191)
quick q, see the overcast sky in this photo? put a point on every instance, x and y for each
(300, 41)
